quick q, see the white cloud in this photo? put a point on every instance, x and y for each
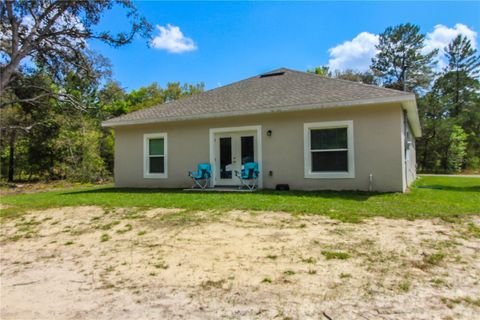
(355, 54)
(442, 35)
(172, 39)
(358, 52)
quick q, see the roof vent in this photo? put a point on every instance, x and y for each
(272, 74)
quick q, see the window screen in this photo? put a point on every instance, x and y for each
(156, 154)
(329, 150)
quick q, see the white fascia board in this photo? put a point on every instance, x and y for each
(412, 116)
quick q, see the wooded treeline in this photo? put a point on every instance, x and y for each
(448, 97)
(54, 140)
(55, 91)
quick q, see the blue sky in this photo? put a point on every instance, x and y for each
(222, 42)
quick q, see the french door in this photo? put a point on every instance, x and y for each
(232, 150)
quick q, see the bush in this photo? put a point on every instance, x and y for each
(457, 149)
(80, 149)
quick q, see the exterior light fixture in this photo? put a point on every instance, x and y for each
(269, 133)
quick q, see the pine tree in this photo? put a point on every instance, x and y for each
(459, 81)
(459, 87)
(401, 63)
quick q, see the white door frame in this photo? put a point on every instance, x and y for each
(214, 131)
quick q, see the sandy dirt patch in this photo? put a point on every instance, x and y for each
(91, 263)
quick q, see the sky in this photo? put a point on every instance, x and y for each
(222, 42)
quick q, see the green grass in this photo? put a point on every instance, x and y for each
(405, 285)
(288, 272)
(473, 230)
(445, 197)
(267, 280)
(329, 255)
(435, 258)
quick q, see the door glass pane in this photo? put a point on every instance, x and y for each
(330, 161)
(226, 158)
(322, 139)
(247, 149)
(156, 147)
(157, 165)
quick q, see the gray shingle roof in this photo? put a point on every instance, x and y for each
(284, 91)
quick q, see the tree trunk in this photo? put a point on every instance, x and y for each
(11, 160)
(425, 154)
(5, 79)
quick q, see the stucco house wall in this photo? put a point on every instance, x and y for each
(377, 136)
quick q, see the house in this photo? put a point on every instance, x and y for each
(304, 130)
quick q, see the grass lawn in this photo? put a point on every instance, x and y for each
(445, 197)
(100, 252)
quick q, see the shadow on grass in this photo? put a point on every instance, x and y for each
(347, 195)
(450, 188)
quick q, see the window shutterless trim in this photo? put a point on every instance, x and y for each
(146, 156)
(307, 127)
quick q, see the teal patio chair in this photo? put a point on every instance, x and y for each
(201, 177)
(248, 175)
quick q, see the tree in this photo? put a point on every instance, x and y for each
(401, 62)
(450, 113)
(145, 97)
(322, 71)
(53, 34)
(357, 76)
(459, 81)
(23, 121)
(112, 100)
(459, 87)
(78, 147)
(175, 91)
(442, 147)
(455, 152)
(349, 74)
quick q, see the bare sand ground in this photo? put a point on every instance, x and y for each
(88, 263)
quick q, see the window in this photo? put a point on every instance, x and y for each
(329, 150)
(247, 149)
(155, 155)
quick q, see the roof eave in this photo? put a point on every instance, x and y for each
(412, 115)
(406, 101)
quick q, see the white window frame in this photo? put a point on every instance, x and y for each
(146, 155)
(307, 127)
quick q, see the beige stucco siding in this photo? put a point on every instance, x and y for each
(377, 147)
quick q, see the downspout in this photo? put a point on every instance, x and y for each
(405, 146)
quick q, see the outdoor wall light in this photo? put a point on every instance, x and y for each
(269, 133)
